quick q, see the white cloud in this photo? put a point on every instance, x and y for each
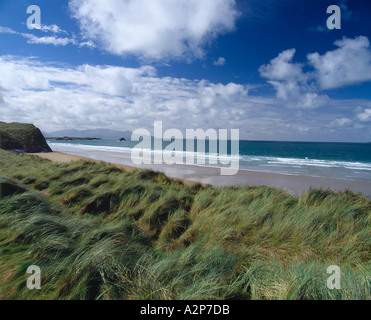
(282, 68)
(220, 62)
(89, 44)
(2, 101)
(56, 97)
(155, 29)
(7, 30)
(292, 85)
(52, 28)
(343, 122)
(49, 40)
(107, 96)
(349, 64)
(45, 28)
(55, 41)
(365, 115)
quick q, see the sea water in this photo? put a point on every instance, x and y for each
(351, 161)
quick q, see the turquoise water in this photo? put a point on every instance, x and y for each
(341, 160)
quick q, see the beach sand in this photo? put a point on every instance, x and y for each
(296, 184)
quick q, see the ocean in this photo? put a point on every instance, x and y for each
(350, 161)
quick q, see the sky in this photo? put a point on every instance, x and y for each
(271, 68)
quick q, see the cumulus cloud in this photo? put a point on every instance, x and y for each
(155, 29)
(282, 68)
(365, 115)
(220, 62)
(349, 64)
(2, 101)
(343, 122)
(115, 97)
(57, 97)
(291, 83)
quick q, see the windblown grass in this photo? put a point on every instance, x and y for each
(99, 232)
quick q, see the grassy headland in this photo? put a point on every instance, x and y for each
(22, 137)
(100, 232)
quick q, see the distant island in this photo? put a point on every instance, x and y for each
(91, 133)
(71, 139)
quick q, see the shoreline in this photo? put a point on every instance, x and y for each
(295, 184)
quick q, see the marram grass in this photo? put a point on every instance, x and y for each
(99, 232)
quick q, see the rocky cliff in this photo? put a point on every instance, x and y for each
(22, 138)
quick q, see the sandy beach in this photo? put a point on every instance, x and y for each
(296, 184)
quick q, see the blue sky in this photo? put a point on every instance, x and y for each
(269, 68)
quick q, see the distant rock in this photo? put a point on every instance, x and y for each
(22, 138)
(73, 139)
(99, 133)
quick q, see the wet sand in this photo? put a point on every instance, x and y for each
(296, 184)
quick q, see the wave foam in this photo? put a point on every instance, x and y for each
(245, 160)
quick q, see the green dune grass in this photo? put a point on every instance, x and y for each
(99, 232)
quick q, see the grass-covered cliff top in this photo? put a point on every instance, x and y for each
(99, 232)
(22, 138)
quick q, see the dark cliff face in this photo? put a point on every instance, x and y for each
(23, 138)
